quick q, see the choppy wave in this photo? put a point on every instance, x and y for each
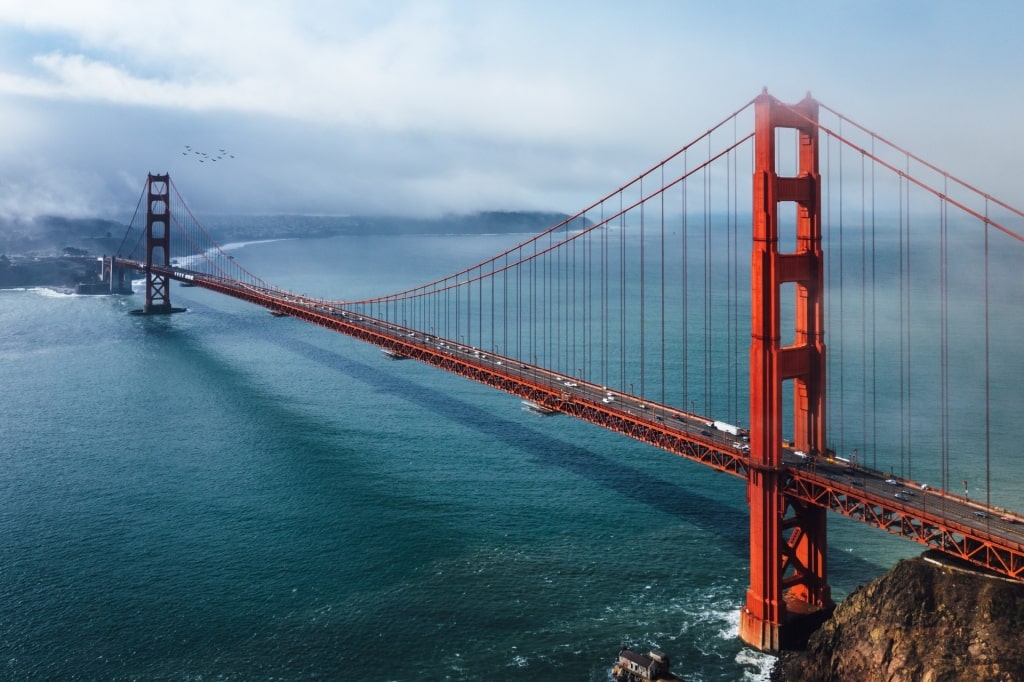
(49, 292)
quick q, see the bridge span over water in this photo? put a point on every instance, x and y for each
(819, 318)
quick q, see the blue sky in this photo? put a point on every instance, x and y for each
(362, 106)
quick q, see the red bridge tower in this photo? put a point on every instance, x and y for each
(788, 595)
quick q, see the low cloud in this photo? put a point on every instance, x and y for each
(433, 106)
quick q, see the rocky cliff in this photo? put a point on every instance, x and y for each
(921, 622)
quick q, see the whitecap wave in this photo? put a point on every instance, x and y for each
(234, 246)
(50, 292)
(189, 262)
(761, 663)
(757, 665)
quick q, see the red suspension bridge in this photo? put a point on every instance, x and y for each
(849, 365)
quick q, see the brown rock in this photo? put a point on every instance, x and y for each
(920, 622)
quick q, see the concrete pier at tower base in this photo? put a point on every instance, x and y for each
(161, 309)
(792, 634)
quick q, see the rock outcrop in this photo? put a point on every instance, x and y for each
(921, 622)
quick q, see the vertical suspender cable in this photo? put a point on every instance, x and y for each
(663, 399)
(741, 313)
(901, 328)
(519, 305)
(874, 320)
(533, 305)
(589, 307)
(560, 321)
(943, 331)
(829, 269)
(550, 305)
(571, 271)
(732, 170)
(862, 441)
(494, 308)
(593, 306)
(842, 309)
(730, 302)
(480, 309)
(643, 294)
(504, 308)
(685, 293)
(909, 340)
(546, 303)
(988, 429)
(604, 277)
(622, 295)
(707, 289)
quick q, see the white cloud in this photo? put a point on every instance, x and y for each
(417, 70)
(447, 103)
(74, 194)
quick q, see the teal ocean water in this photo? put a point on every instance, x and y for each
(225, 495)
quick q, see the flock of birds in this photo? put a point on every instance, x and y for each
(204, 156)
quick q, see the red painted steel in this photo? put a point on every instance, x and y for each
(787, 537)
(937, 521)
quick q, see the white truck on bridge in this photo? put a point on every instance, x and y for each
(728, 428)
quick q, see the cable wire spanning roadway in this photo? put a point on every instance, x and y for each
(952, 524)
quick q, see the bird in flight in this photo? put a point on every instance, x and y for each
(203, 156)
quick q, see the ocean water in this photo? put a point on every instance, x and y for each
(226, 495)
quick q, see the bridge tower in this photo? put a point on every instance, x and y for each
(788, 595)
(158, 246)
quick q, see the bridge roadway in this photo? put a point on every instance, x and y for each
(988, 537)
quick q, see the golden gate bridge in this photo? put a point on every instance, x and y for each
(789, 298)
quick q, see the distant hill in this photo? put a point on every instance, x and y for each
(54, 235)
(227, 229)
